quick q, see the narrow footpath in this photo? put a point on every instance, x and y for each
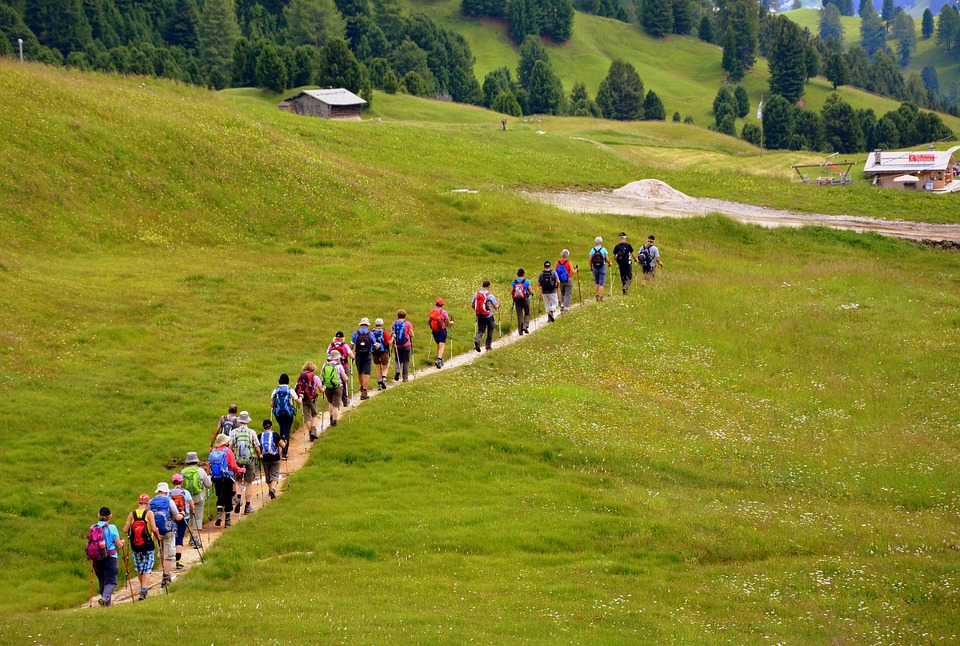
(300, 447)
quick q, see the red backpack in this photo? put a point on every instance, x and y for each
(480, 304)
(437, 322)
(307, 385)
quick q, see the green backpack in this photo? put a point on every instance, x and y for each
(330, 375)
(191, 480)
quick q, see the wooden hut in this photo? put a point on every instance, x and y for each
(329, 104)
(914, 171)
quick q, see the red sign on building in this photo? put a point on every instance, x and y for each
(922, 158)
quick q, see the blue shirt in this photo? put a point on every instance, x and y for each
(363, 329)
(603, 251)
(110, 534)
(524, 282)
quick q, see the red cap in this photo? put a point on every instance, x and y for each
(439, 302)
(144, 498)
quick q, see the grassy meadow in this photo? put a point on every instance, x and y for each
(758, 447)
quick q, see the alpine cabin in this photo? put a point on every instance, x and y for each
(929, 170)
(337, 103)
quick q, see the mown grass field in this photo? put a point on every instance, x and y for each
(759, 447)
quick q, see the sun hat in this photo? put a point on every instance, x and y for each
(144, 499)
(222, 440)
(163, 487)
(243, 417)
(364, 321)
(335, 355)
(439, 302)
(176, 478)
(378, 322)
(192, 458)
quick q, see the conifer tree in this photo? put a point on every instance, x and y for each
(531, 51)
(787, 66)
(830, 23)
(873, 34)
(905, 36)
(544, 90)
(653, 109)
(217, 33)
(926, 23)
(313, 22)
(657, 17)
(777, 122)
(743, 101)
(705, 31)
(270, 71)
(621, 93)
(836, 70)
(339, 67)
(731, 62)
(506, 103)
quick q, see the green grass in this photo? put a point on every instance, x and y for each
(760, 446)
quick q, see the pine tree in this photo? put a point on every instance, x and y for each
(926, 24)
(182, 26)
(531, 51)
(905, 35)
(724, 103)
(506, 103)
(653, 109)
(682, 17)
(390, 83)
(751, 133)
(217, 33)
(339, 67)
(745, 23)
(621, 93)
(522, 21)
(836, 71)
(787, 67)
(888, 11)
(60, 24)
(581, 105)
(544, 90)
(313, 22)
(743, 101)
(657, 17)
(308, 65)
(873, 35)
(495, 83)
(930, 79)
(778, 116)
(415, 85)
(270, 71)
(731, 62)
(705, 31)
(830, 23)
(948, 27)
(841, 128)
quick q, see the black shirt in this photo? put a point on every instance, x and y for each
(622, 252)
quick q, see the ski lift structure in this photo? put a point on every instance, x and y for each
(829, 173)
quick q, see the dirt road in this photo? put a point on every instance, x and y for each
(654, 198)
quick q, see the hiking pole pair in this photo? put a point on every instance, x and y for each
(126, 566)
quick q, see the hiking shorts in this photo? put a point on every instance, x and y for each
(168, 545)
(272, 471)
(143, 562)
(439, 337)
(334, 396)
(249, 475)
(381, 359)
(364, 363)
(599, 275)
(309, 410)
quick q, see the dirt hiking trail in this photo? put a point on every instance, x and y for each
(654, 198)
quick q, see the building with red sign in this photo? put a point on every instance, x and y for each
(936, 171)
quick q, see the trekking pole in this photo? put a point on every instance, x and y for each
(126, 566)
(499, 325)
(91, 585)
(196, 544)
(579, 293)
(413, 358)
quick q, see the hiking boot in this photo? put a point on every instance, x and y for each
(273, 494)
(226, 521)
(439, 363)
(248, 509)
(550, 317)
(219, 516)
(236, 499)
(476, 346)
(179, 564)
(489, 348)
(382, 385)
(313, 437)
(624, 292)
(236, 509)
(101, 601)
(143, 594)
(165, 581)
(396, 376)
(194, 542)
(364, 395)
(333, 422)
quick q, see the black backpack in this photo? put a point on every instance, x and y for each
(622, 253)
(597, 260)
(645, 257)
(547, 280)
(364, 343)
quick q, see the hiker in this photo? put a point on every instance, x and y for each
(346, 353)
(308, 389)
(223, 464)
(649, 258)
(225, 424)
(197, 482)
(165, 515)
(106, 565)
(439, 322)
(141, 528)
(520, 292)
(362, 342)
(623, 253)
(565, 272)
(484, 303)
(402, 334)
(332, 378)
(503, 124)
(246, 446)
(381, 353)
(598, 265)
(271, 444)
(549, 283)
(183, 499)
(284, 402)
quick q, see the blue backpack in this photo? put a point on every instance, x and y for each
(399, 332)
(283, 402)
(160, 506)
(267, 445)
(377, 337)
(562, 272)
(218, 463)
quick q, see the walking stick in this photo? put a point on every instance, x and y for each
(91, 585)
(499, 326)
(579, 293)
(126, 566)
(196, 543)
(413, 358)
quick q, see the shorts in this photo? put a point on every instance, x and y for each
(168, 545)
(599, 275)
(364, 363)
(439, 337)
(309, 410)
(143, 562)
(272, 471)
(249, 475)
(381, 359)
(334, 396)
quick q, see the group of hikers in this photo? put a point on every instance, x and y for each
(239, 456)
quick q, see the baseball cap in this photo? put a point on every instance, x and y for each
(378, 322)
(439, 302)
(104, 511)
(177, 478)
(623, 234)
(340, 334)
(143, 499)
(546, 263)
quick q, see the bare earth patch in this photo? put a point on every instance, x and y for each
(653, 198)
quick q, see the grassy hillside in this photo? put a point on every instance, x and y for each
(760, 446)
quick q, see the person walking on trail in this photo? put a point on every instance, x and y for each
(549, 283)
(484, 304)
(598, 265)
(271, 444)
(166, 515)
(520, 292)
(381, 353)
(223, 465)
(565, 272)
(346, 353)
(246, 447)
(649, 258)
(106, 565)
(439, 322)
(283, 403)
(625, 257)
(225, 424)
(197, 482)
(362, 341)
(402, 335)
(183, 499)
(308, 390)
(141, 529)
(332, 378)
